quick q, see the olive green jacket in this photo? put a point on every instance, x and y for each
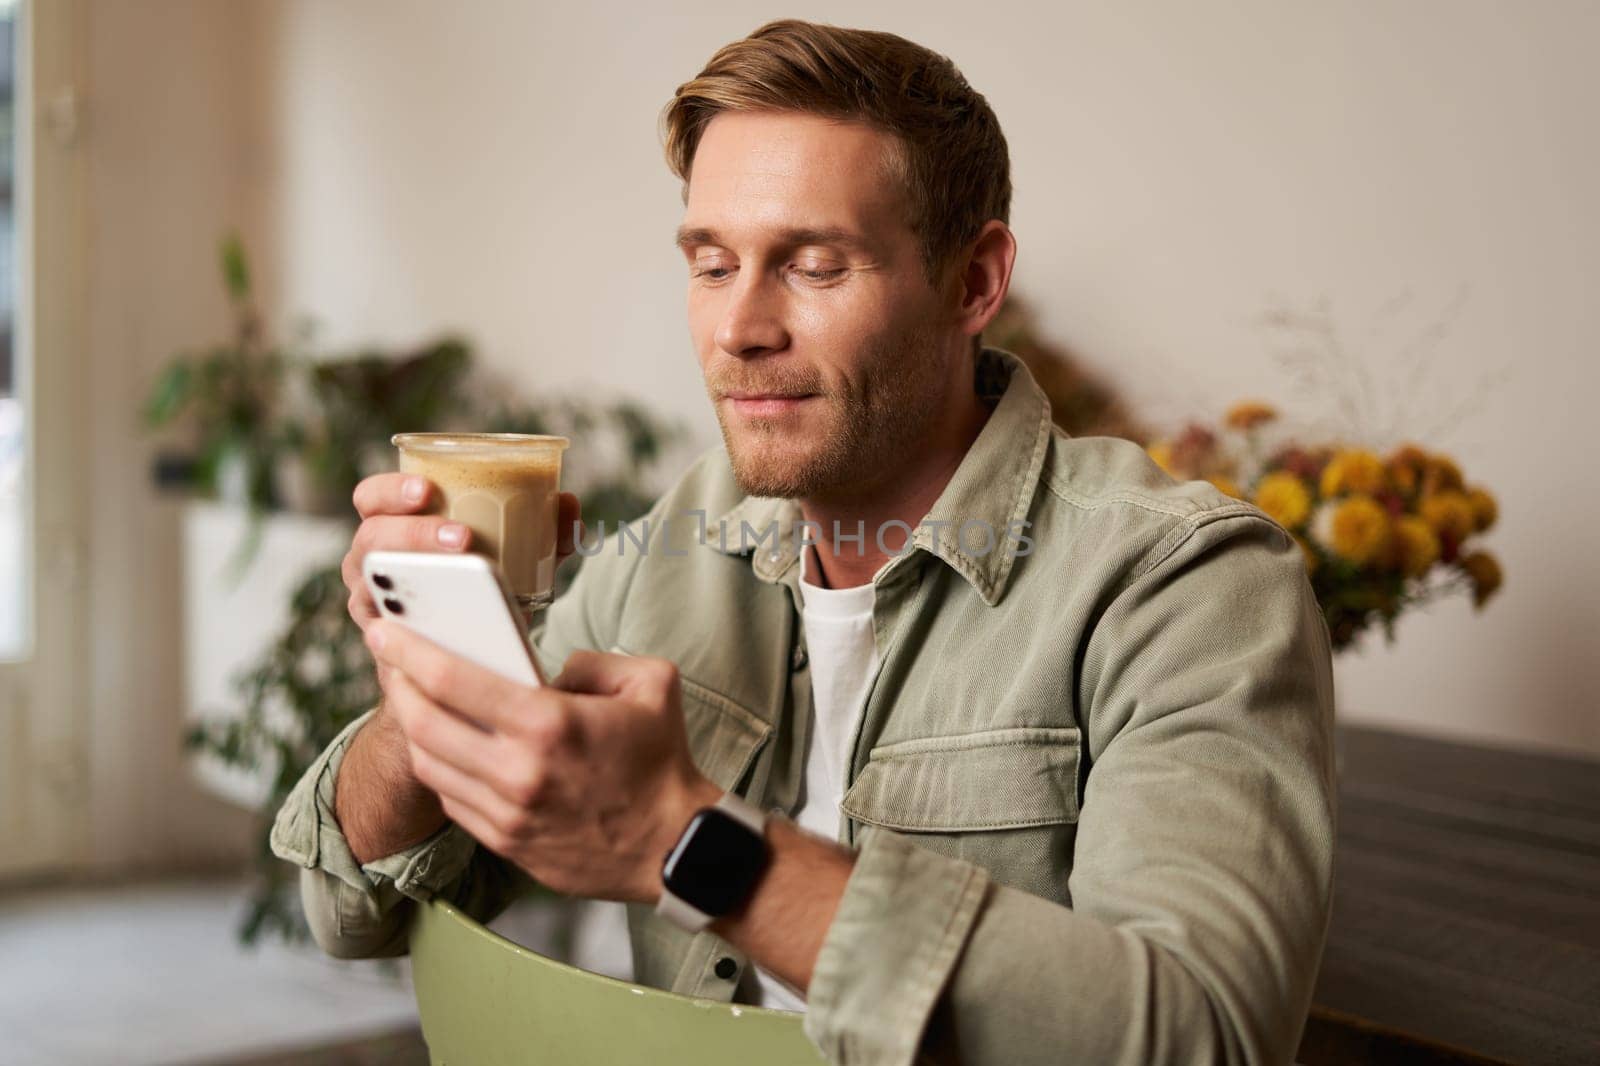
(1091, 791)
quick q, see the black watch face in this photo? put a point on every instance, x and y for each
(716, 863)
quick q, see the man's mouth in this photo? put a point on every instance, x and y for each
(766, 404)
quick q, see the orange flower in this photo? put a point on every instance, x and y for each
(1416, 545)
(1353, 471)
(1161, 453)
(1249, 414)
(1441, 475)
(1405, 467)
(1284, 497)
(1487, 577)
(1484, 508)
(1449, 513)
(1228, 485)
(1356, 528)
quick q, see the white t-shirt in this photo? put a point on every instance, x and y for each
(844, 658)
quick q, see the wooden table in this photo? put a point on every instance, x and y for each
(1466, 924)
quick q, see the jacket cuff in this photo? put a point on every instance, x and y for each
(306, 832)
(904, 917)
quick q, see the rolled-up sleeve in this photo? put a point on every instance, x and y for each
(361, 911)
(1201, 877)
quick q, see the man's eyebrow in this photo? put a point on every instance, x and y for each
(689, 236)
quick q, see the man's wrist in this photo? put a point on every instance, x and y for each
(699, 793)
(378, 803)
(782, 923)
(723, 923)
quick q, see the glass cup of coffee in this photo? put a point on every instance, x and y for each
(505, 487)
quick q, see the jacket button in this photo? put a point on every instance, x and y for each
(798, 660)
(726, 968)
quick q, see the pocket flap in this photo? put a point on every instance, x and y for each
(996, 779)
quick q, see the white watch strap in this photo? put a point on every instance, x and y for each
(684, 914)
(681, 914)
(745, 812)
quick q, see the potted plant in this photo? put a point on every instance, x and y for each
(275, 444)
(227, 397)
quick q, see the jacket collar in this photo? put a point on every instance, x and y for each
(993, 485)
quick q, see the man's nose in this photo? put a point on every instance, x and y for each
(752, 322)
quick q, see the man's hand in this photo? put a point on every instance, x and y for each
(391, 506)
(380, 805)
(585, 784)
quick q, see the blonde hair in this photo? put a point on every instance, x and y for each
(952, 154)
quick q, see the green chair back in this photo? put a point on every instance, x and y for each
(485, 1001)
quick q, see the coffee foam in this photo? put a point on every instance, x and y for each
(483, 472)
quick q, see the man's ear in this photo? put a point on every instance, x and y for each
(983, 276)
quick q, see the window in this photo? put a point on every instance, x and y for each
(14, 588)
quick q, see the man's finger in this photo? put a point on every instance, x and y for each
(449, 782)
(475, 693)
(391, 494)
(566, 520)
(609, 674)
(436, 730)
(410, 533)
(478, 826)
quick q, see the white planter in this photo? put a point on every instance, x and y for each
(233, 614)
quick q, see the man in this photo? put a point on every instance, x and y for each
(1032, 742)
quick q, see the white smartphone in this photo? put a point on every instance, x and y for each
(460, 602)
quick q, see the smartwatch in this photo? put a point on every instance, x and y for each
(715, 864)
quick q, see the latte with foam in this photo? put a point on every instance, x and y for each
(503, 486)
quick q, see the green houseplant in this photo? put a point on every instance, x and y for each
(316, 677)
(255, 411)
(229, 397)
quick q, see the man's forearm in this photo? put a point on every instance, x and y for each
(380, 805)
(784, 922)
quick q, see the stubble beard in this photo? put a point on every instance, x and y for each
(864, 432)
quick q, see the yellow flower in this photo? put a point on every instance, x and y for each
(1356, 529)
(1449, 513)
(1161, 453)
(1228, 485)
(1284, 497)
(1416, 545)
(1484, 508)
(1249, 414)
(1441, 475)
(1487, 577)
(1352, 471)
(1308, 551)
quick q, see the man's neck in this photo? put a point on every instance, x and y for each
(905, 494)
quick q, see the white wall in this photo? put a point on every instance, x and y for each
(1178, 167)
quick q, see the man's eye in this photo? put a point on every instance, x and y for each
(712, 273)
(821, 274)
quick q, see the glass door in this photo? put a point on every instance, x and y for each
(43, 731)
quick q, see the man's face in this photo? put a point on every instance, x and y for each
(824, 348)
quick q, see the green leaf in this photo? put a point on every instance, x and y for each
(235, 268)
(170, 393)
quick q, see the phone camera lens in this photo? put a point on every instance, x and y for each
(383, 581)
(394, 606)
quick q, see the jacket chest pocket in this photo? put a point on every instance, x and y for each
(1006, 799)
(724, 736)
(997, 779)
